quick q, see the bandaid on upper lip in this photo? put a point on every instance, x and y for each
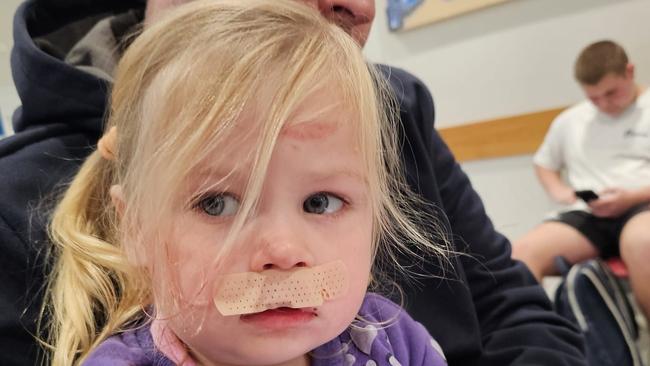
(254, 292)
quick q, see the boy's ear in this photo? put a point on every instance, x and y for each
(117, 197)
(629, 70)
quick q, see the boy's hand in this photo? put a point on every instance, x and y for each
(612, 202)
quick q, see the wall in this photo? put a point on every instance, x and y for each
(510, 59)
(8, 97)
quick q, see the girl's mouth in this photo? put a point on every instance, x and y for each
(280, 318)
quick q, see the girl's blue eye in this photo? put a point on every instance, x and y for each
(322, 203)
(222, 204)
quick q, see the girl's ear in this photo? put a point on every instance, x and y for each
(117, 196)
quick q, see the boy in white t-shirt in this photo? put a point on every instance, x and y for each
(601, 145)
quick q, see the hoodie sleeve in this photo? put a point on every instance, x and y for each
(515, 320)
(34, 168)
(17, 312)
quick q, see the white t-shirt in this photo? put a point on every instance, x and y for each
(597, 151)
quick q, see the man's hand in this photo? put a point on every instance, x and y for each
(612, 202)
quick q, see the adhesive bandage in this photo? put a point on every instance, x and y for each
(253, 292)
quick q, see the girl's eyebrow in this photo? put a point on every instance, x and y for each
(337, 173)
(309, 130)
(215, 177)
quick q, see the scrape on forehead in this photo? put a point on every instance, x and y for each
(309, 130)
(318, 116)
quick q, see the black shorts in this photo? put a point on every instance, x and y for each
(603, 233)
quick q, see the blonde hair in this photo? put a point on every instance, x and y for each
(179, 91)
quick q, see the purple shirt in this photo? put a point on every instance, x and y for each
(403, 342)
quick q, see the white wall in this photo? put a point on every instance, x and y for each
(512, 196)
(511, 58)
(505, 60)
(8, 97)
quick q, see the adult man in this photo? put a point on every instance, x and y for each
(604, 146)
(489, 312)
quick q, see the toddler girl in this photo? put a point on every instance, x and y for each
(245, 186)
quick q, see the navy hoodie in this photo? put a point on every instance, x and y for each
(490, 311)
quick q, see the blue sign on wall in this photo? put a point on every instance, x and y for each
(397, 10)
(2, 125)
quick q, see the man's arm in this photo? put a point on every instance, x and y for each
(19, 302)
(517, 321)
(554, 185)
(38, 161)
(492, 311)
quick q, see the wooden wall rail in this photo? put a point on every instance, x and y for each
(499, 137)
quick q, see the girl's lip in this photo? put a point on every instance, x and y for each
(280, 318)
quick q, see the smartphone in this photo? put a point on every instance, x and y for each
(587, 195)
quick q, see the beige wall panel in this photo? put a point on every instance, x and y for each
(501, 137)
(431, 11)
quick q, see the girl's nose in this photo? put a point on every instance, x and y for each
(279, 245)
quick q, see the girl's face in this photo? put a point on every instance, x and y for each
(314, 209)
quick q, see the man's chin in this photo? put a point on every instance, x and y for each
(613, 114)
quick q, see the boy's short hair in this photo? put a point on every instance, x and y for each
(599, 59)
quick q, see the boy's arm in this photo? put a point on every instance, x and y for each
(554, 185)
(613, 202)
